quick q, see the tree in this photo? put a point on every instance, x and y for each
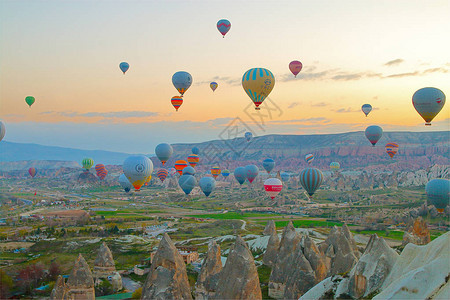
(104, 288)
(30, 277)
(53, 271)
(6, 283)
(137, 294)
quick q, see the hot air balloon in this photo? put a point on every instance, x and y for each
(391, 149)
(251, 171)
(196, 151)
(101, 171)
(268, 164)
(295, 66)
(215, 171)
(162, 174)
(176, 102)
(124, 66)
(258, 83)
(428, 102)
(213, 85)
(32, 171)
(335, 166)
(125, 183)
(163, 151)
(285, 176)
(366, 109)
(87, 163)
(373, 134)
(225, 173)
(29, 100)
(438, 193)
(193, 160)
(223, 26)
(182, 81)
(240, 175)
(188, 171)
(248, 136)
(309, 158)
(207, 184)
(187, 183)
(2, 131)
(273, 187)
(137, 168)
(311, 179)
(180, 165)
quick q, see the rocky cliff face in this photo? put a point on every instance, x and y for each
(270, 255)
(59, 290)
(239, 278)
(270, 228)
(105, 269)
(418, 234)
(206, 284)
(167, 278)
(80, 284)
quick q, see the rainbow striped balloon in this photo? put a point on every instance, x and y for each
(32, 171)
(215, 171)
(258, 83)
(309, 158)
(193, 160)
(311, 179)
(180, 165)
(176, 102)
(335, 165)
(225, 173)
(391, 149)
(162, 174)
(101, 171)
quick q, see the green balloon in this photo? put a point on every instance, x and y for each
(30, 100)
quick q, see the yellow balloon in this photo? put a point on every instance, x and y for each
(258, 83)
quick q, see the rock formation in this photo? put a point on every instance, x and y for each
(315, 258)
(239, 278)
(418, 234)
(105, 269)
(80, 285)
(270, 256)
(270, 228)
(206, 284)
(59, 290)
(167, 278)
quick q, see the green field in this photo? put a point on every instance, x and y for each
(307, 223)
(395, 234)
(234, 216)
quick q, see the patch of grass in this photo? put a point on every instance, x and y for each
(234, 216)
(264, 273)
(307, 223)
(395, 234)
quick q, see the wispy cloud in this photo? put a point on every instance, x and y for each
(293, 104)
(105, 115)
(435, 70)
(320, 104)
(220, 80)
(399, 75)
(394, 62)
(318, 120)
(346, 110)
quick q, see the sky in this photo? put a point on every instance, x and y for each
(66, 54)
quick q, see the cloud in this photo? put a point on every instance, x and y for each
(346, 77)
(346, 110)
(220, 80)
(293, 104)
(305, 121)
(104, 115)
(435, 70)
(394, 62)
(415, 73)
(320, 104)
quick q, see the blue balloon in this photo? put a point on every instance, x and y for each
(268, 164)
(285, 176)
(124, 66)
(240, 175)
(251, 171)
(438, 192)
(195, 150)
(373, 134)
(207, 184)
(248, 136)
(189, 171)
(187, 183)
(182, 81)
(163, 151)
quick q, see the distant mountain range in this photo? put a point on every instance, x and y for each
(351, 150)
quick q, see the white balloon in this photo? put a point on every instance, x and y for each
(273, 187)
(124, 182)
(137, 168)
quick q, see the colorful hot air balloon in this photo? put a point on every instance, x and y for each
(248, 136)
(258, 83)
(295, 66)
(366, 109)
(215, 171)
(125, 183)
(311, 179)
(428, 102)
(32, 171)
(207, 184)
(273, 187)
(285, 176)
(180, 165)
(240, 175)
(223, 26)
(124, 66)
(196, 151)
(176, 102)
(225, 173)
(268, 164)
(188, 171)
(162, 174)
(137, 168)
(101, 171)
(373, 134)
(187, 183)
(335, 166)
(182, 81)
(251, 171)
(391, 149)
(438, 193)
(2, 131)
(309, 158)
(163, 151)
(87, 163)
(213, 85)
(29, 100)
(193, 160)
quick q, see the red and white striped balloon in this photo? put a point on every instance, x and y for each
(273, 187)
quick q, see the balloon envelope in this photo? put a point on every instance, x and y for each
(2, 130)
(366, 109)
(391, 149)
(240, 175)
(258, 83)
(213, 85)
(182, 81)
(225, 173)
(311, 179)
(285, 176)
(101, 171)
(87, 163)
(180, 165)
(137, 168)
(125, 183)
(335, 166)
(176, 102)
(438, 193)
(295, 66)
(373, 134)
(29, 100)
(248, 136)
(309, 158)
(193, 160)
(268, 164)
(196, 151)
(187, 183)
(163, 151)
(428, 102)
(223, 26)
(124, 66)
(273, 187)
(32, 171)
(251, 171)
(162, 174)
(207, 184)
(188, 171)
(215, 171)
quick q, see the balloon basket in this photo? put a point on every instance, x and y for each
(257, 108)
(428, 124)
